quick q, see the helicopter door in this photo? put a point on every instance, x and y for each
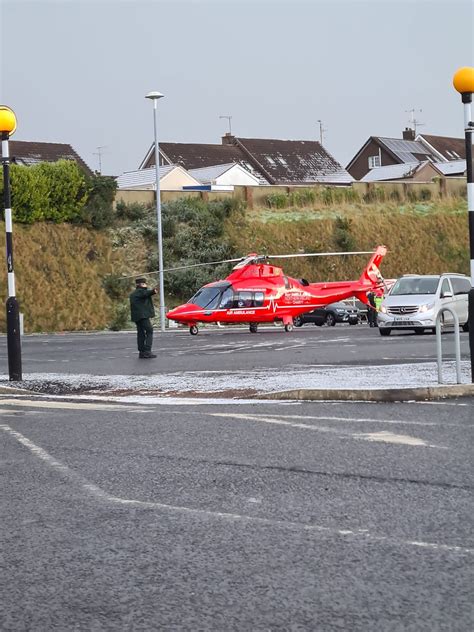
(227, 299)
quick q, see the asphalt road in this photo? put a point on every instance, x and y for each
(262, 516)
(225, 349)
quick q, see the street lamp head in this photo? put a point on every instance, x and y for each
(154, 96)
(7, 120)
(463, 80)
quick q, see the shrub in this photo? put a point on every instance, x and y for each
(133, 211)
(52, 191)
(277, 200)
(343, 237)
(302, 197)
(116, 287)
(121, 317)
(98, 212)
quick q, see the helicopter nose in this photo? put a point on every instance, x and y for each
(182, 312)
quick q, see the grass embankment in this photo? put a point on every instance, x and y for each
(69, 277)
(422, 237)
(59, 270)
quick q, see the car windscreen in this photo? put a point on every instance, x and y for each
(415, 285)
(207, 297)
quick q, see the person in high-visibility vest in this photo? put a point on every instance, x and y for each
(371, 309)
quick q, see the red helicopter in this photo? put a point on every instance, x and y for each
(259, 292)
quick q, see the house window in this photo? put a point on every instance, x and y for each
(374, 161)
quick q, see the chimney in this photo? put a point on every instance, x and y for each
(408, 134)
(228, 139)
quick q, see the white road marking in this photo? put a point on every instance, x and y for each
(368, 420)
(386, 437)
(63, 405)
(390, 437)
(100, 494)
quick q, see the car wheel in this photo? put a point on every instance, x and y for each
(419, 330)
(330, 319)
(385, 331)
(298, 321)
(465, 327)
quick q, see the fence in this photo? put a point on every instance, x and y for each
(257, 196)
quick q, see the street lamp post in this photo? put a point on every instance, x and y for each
(7, 127)
(154, 96)
(463, 81)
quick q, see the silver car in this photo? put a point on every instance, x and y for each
(414, 302)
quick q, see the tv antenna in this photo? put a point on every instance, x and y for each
(413, 121)
(229, 118)
(321, 131)
(99, 153)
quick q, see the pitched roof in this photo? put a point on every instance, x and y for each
(452, 168)
(293, 161)
(393, 172)
(406, 150)
(447, 148)
(31, 153)
(142, 177)
(208, 175)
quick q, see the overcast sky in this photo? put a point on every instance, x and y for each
(76, 71)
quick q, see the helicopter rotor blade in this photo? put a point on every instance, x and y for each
(321, 254)
(193, 265)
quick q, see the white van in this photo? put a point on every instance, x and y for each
(414, 302)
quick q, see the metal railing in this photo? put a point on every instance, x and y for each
(457, 344)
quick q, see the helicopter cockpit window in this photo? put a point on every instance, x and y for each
(207, 297)
(227, 299)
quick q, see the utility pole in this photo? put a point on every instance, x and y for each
(229, 118)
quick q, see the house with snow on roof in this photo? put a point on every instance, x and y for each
(271, 161)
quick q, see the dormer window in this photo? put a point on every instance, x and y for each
(374, 161)
(270, 161)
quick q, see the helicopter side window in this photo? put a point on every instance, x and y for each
(258, 299)
(287, 283)
(243, 299)
(227, 299)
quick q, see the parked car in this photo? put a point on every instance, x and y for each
(341, 312)
(414, 302)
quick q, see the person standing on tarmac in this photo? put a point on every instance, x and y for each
(371, 309)
(141, 310)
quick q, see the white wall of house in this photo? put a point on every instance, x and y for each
(237, 176)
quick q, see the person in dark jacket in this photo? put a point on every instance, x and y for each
(141, 310)
(371, 309)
